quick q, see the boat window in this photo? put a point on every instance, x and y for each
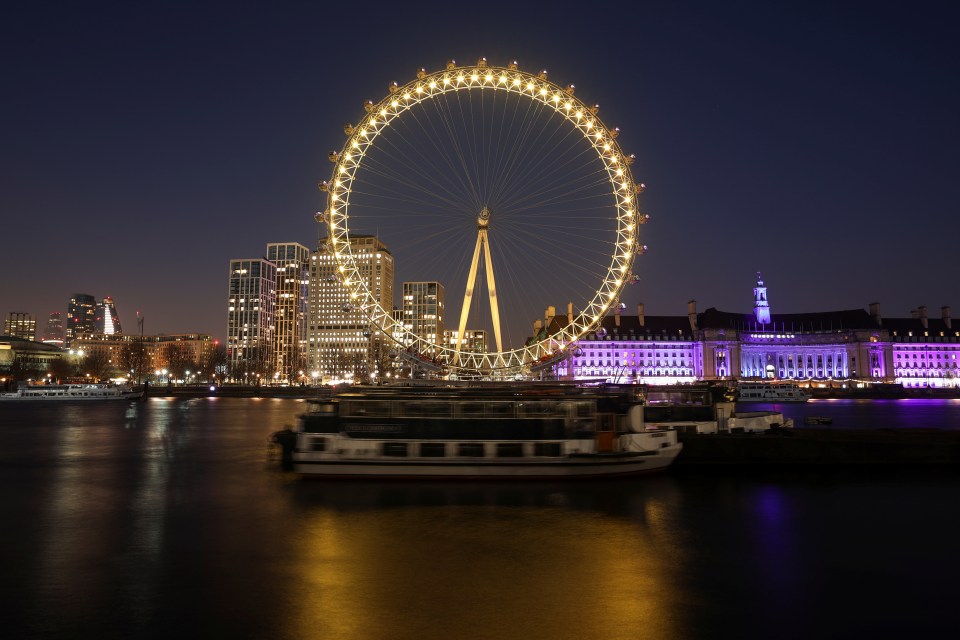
(471, 409)
(379, 408)
(584, 409)
(437, 408)
(547, 449)
(395, 449)
(433, 449)
(499, 409)
(509, 449)
(470, 450)
(318, 444)
(529, 409)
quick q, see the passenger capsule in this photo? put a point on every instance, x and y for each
(421, 73)
(348, 129)
(631, 159)
(512, 66)
(394, 87)
(323, 185)
(615, 132)
(333, 156)
(570, 90)
(640, 188)
(595, 109)
(543, 74)
(482, 63)
(451, 64)
(368, 106)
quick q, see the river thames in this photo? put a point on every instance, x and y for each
(170, 518)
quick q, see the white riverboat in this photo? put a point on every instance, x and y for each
(482, 432)
(71, 393)
(770, 392)
(705, 409)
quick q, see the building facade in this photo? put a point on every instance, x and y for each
(423, 313)
(341, 344)
(53, 334)
(81, 318)
(289, 340)
(251, 321)
(19, 324)
(853, 346)
(107, 320)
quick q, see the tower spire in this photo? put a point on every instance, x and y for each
(761, 307)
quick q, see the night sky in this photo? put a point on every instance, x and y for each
(146, 144)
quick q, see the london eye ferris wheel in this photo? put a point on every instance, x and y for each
(495, 165)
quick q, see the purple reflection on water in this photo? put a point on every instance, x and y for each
(906, 413)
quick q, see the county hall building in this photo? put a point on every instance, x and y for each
(852, 346)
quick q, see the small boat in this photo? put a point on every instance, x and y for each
(72, 393)
(770, 392)
(818, 420)
(487, 431)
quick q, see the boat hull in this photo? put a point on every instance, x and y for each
(586, 466)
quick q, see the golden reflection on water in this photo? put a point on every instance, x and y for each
(482, 572)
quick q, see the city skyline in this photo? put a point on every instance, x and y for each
(813, 144)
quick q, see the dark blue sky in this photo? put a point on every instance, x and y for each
(144, 145)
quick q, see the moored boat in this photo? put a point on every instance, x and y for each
(483, 432)
(770, 392)
(72, 393)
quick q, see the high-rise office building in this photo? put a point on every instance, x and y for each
(289, 338)
(81, 317)
(53, 334)
(21, 325)
(474, 340)
(340, 342)
(423, 312)
(251, 305)
(108, 322)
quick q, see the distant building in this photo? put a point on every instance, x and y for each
(107, 320)
(131, 356)
(53, 334)
(251, 322)
(341, 344)
(20, 324)
(31, 358)
(289, 339)
(81, 317)
(474, 341)
(823, 348)
(423, 312)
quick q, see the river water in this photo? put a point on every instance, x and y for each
(169, 518)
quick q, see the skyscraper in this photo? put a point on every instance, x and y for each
(251, 305)
(20, 324)
(423, 311)
(108, 322)
(289, 339)
(81, 317)
(53, 334)
(340, 342)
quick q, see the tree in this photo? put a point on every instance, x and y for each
(179, 359)
(59, 369)
(132, 359)
(214, 362)
(96, 364)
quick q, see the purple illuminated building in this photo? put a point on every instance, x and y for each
(852, 346)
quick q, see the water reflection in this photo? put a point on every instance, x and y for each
(168, 518)
(481, 561)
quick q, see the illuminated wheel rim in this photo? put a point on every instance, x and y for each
(535, 87)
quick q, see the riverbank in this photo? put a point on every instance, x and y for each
(235, 391)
